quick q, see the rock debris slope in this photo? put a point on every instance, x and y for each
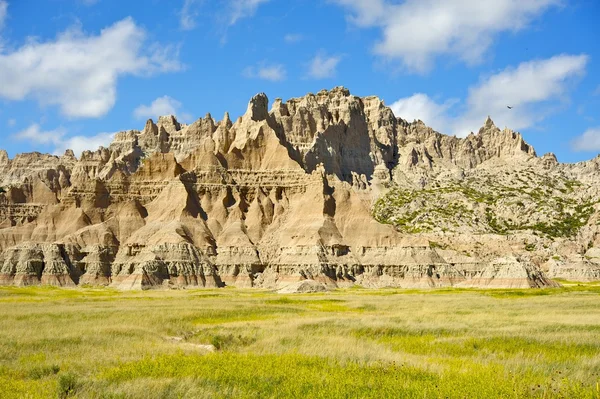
(329, 188)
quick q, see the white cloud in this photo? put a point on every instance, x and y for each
(420, 106)
(230, 13)
(3, 12)
(82, 143)
(417, 31)
(164, 105)
(588, 141)
(35, 135)
(58, 139)
(79, 72)
(533, 89)
(188, 14)
(11, 122)
(239, 9)
(293, 38)
(323, 66)
(274, 73)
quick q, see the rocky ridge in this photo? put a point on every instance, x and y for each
(329, 188)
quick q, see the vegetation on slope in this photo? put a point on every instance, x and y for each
(486, 203)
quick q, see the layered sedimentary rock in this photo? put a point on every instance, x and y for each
(574, 268)
(510, 272)
(330, 188)
(33, 264)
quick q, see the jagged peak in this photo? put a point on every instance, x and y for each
(550, 157)
(320, 97)
(258, 107)
(338, 90)
(277, 103)
(150, 127)
(169, 122)
(4, 157)
(226, 120)
(167, 119)
(489, 122)
(337, 100)
(505, 140)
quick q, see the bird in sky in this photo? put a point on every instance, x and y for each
(509, 107)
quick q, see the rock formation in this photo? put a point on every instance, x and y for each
(329, 188)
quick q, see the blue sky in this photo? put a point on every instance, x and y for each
(73, 72)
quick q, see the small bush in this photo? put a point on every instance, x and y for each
(529, 247)
(228, 341)
(40, 372)
(67, 385)
(433, 244)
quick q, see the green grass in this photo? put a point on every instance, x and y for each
(466, 343)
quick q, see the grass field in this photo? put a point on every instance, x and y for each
(352, 343)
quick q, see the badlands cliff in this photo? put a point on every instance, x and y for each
(328, 187)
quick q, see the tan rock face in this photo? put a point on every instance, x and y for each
(32, 264)
(288, 195)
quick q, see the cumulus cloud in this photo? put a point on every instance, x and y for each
(533, 89)
(274, 73)
(417, 31)
(420, 106)
(588, 141)
(164, 105)
(527, 88)
(79, 72)
(82, 143)
(323, 66)
(59, 140)
(34, 134)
